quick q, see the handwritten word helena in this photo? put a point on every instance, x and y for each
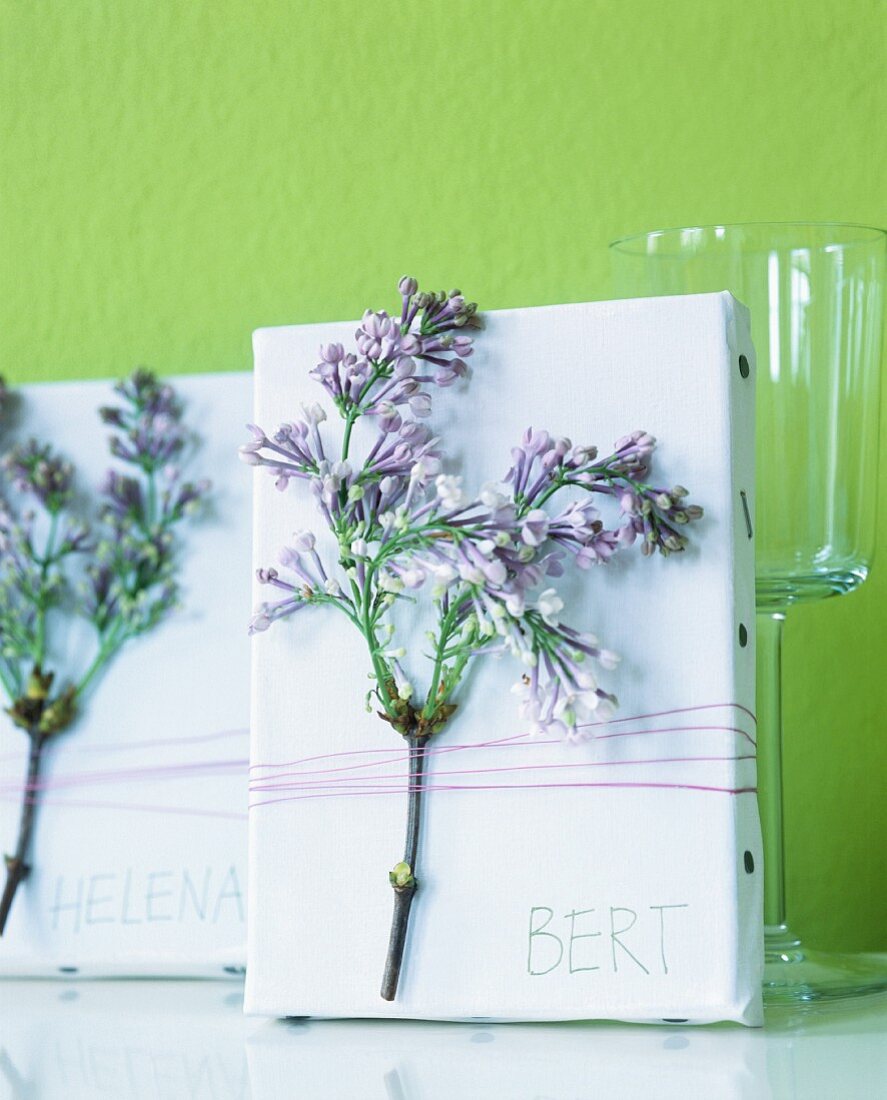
(139, 897)
(580, 943)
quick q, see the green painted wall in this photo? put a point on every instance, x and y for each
(175, 174)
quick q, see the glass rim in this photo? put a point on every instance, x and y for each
(875, 232)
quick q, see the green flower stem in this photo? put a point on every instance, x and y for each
(458, 668)
(600, 472)
(421, 538)
(447, 624)
(42, 595)
(110, 643)
(350, 420)
(17, 868)
(40, 634)
(355, 411)
(368, 629)
(10, 678)
(151, 499)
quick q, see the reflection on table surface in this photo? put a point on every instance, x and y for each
(163, 1040)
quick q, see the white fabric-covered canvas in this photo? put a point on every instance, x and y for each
(618, 878)
(139, 855)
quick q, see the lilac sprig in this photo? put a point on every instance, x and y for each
(118, 568)
(543, 466)
(132, 579)
(401, 524)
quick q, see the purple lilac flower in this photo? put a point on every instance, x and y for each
(396, 356)
(35, 469)
(132, 579)
(152, 432)
(19, 576)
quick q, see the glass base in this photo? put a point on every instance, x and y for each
(795, 975)
(776, 592)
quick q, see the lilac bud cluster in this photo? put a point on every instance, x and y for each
(151, 429)
(542, 466)
(19, 577)
(36, 470)
(396, 357)
(132, 577)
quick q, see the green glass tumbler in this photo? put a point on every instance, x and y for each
(816, 293)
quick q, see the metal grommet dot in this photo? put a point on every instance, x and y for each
(743, 366)
(743, 635)
(748, 861)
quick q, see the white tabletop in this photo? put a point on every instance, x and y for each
(170, 1040)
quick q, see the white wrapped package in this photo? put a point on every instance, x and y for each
(616, 878)
(139, 851)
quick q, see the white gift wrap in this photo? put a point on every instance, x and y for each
(617, 878)
(139, 853)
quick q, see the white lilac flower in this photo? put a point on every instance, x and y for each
(403, 685)
(444, 573)
(515, 603)
(471, 573)
(413, 578)
(549, 605)
(492, 497)
(388, 582)
(449, 491)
